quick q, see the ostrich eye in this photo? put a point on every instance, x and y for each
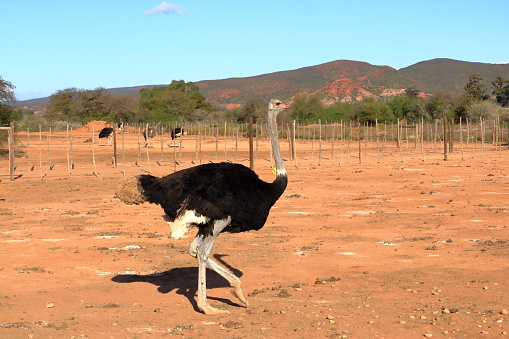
(278, 103)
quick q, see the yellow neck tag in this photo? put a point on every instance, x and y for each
(274, 170)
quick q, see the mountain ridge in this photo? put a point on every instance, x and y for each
(336, 81)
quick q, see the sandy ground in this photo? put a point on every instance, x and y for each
(401, 246)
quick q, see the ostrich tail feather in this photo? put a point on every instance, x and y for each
(129, 191)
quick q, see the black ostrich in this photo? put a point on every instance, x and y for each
(215, 197)
(177, 132)
(149, 133)
(107, 132)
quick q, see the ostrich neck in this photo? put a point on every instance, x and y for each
(274, 142)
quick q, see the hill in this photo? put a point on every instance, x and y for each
(451, 75)
(337, 81)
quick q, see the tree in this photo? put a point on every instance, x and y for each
(306, 107)
(90, 104)
(73, 104)
(412, 92)
(254, 108)
(337, 112)
(61, 104)
(176, 101)
(439, 104)
(501, 91)
(7, 96)
(482, 109)
(7, 91)
(372, 111)
(475, 87)
(405, 106)
(122, 108)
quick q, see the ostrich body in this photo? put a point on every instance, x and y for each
(177, 132)
(215, 198)
(107, 132)
(149, 133)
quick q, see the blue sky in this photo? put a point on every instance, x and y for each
(51, 45)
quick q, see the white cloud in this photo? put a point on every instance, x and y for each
(166, 8)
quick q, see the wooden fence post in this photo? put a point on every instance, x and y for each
(10, 131)
(445, 138)
(251, 155)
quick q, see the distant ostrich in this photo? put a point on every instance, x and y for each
(177, 132)
(214, 197)
(149, 133)
(107, 132)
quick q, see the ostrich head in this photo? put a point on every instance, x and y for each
(277, 105)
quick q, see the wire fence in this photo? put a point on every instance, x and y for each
(76, 150)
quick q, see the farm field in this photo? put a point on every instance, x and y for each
(397, 244)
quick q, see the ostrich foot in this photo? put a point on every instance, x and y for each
(209, 310)
(237, 292)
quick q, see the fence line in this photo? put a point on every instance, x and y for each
(319, 144)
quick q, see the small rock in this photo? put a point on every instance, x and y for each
(283, 294)
(504, 311)
(428, 335)
(50, 305)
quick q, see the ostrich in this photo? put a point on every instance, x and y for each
(107, 132)
(177, 132)
(149, 133)
(213, 197)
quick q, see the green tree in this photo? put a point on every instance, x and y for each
(7, 96)
(337, 112)
(255, 108)
(439, 104)
(90, 104)
(412, 92)
(61, 104)
(306, 107)
(73, 104)
(176, 101)
(475, 87)
(501, 91)
(406, 107)
(7, 91)
(372, 111)
(123, 108)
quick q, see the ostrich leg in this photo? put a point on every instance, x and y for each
(203, 245)
(234, 281)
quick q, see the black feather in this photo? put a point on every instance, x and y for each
(105, 132)
(216, 190)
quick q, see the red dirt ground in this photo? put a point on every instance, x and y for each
(401, 246)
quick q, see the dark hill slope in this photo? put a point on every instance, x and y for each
(451, 75)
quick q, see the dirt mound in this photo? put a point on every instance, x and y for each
(94, 125)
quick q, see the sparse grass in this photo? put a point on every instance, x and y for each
(36, 269)
(107, 305)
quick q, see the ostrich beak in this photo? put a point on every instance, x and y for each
(283, 106)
